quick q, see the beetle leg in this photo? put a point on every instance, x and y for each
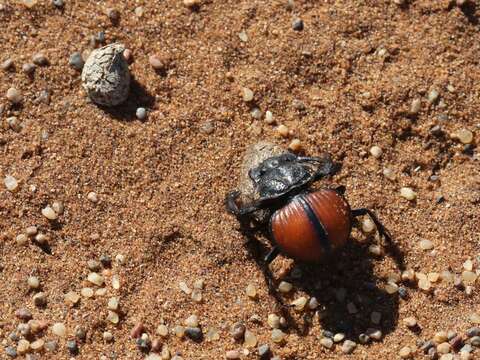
(381, 229)
(325, 165)
(272, 254)
(234, 209)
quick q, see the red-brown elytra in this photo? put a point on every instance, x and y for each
(304, 225)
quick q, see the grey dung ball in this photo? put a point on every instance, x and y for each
(105, 75)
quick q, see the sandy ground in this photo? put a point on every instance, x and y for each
(357, 66)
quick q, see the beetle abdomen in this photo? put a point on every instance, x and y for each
(312, 224)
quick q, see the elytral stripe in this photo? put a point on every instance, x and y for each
(317, 225)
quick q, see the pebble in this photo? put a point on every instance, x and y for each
(405, 352)
(76, 61)
(23, 314)
(141, 113)
(326, 342)
(426, 244)
(269, 117)
(184, 288)
(192, 321)
(113, 317)
(179, 331)
(433, 96)
(467, 348)
(408, 193)
(447, 357)
(427, 345)
(115, 282)
(10, 183)
(416, 106)
(194, 333)
(256, 113)
(375, 334)
(278, 336)
(191, 3)
(474, 331)
(443, 348)
(348, 346)
(299, 304)
(250, 340)
(410, 322)
(264, 351)
(464, 135)
(31, 230)
(273, 321)
(113, 15)
(143, 343)
(247, 94)
(14, 96)
(469, 277)
(212, 334)
(285, 287)
(251, 291)
(40, 299)
(376, 152)
(155, 62)
(137, 330)
(313, 303)
(23, 346)
(21, 239)
(440, 337)
(107, 336)
(51, 345)
(297, 24)
(475, 318)
(232, 354)
(475, 341)
(295, 145)
(72, 347)
(72, 298)
(389, 174)
(58, 3)
(37, 345)
(40, 59)
(80, 333)
(59, 329)
(7, 64)
(113, 304)
(456, 342)
(338, 337)
(28, 68)
(49, 213)
(92, 196)
(238, 331)
(95, 279)
(243, 36)
(391, 288)
(283, 131)
(11, 351)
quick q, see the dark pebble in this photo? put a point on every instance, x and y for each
(58, 3)
(474, 331)
(328, 334)
(143, 344)
(80, 333)
(194, 333)
(76, 61)
(43, 97)
(13, 336)
(156, 345)
(106, 260)
(427, 345)
(40, 60)
(51, 345)
(113, 15)
(456, 342)
(297, 25)
(434, 177)
(238, 331)
(264, 351)
(457, 282)
(23, 314)
(11, 351)
(72, 347)
(468, 149)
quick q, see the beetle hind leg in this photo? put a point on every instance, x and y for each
(380, 227)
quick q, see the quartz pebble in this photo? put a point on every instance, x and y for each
(49, 213)
(92, 196)
(95, 279)
(141, 113)
(113, 304)
(156, 63)
(469, 277)
(283, 131)
(425, 244)
(247, 94)
(464, 135)
(192, 321)
(278, 336)
(232, 354)
(251, 291)
(326, 342)
(443, 348)
(295, 145)
(264, 351)
(86, 292)
(376, 152)
(59, 329)
(10, 183)
(191, 3)
(40, 59)
(348, 346)
(432, 96)
(410, 322)
(273, 321)
(113, 317)
(415, 106)
(250, 339)
(285, 287)
(28, 68)
(408, 193)
(299, 304)
(72, 298)
(184, 288)
(405, 352)
(269, 117)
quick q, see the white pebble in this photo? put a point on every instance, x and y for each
(59, 329)
(49, 213)
(10, 183)
(269, 117)
(92, 196)
(95, 278)
(33, 282)
(285, 287)
(376, 152)
(408, 193)
(14, 96)
(247, 94)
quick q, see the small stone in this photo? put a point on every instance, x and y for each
(192, 321)
(297, 24)
(264, 351)
(405, 352)
(251, 291)
(141, 113)
(338, 337)
(273, 321)
(137, 330)
(113, 304)
(408, 193)
(58, 3)
(143, 343)
(31, 230)
(92, 196)
(326, 342)
(410, 322)
(191, 3)
(416, 106)
(23, 314)
(232, 354)
(76, 61)
(456, 342)
(207, 128)
(348, 347)
(464, 135)
(295, 145)
(376, 152)
(363, 338)
(466, 348)
(194, 333)
(113, 317)
(49, 213)
(113, 15)
(238, 331)
(40, 299)
(11, 351)
(107, 336)
(427, 345)
(101, 292)
(375, 334)
(6, 65)
(14, 96)
(283, 131)
(10, 183)
(212, 334)
(269, 117)
(58, 207)
(23, 346)
(59, 329)
(426, 244)
(278, 336)
(391, 288)
(80, 333)
(156, 345)
(375, 250)
(196, 295)
(474, 331)
(51, 346)
(299, 304)
(28, 68)
(72, 298)
(184, 287)
(243, 36)
(285, 287)
(469, 277)
(250, 340)
(446, 276)
(115, 282)
(440, 337)
(37, 345)
(447, 357)
(475, 341)
(443, 348)
(72, 347)
(313, 303)
(375, 317)
(179, 331)
(433, 96)
(40, 59)
(247, 94)
(389, 174)
(95, 279)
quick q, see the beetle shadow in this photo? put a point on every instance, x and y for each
(138, 97)
(345, 286)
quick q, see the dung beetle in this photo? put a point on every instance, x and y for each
(304, 224)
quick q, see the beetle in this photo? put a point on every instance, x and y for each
(304, 224)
